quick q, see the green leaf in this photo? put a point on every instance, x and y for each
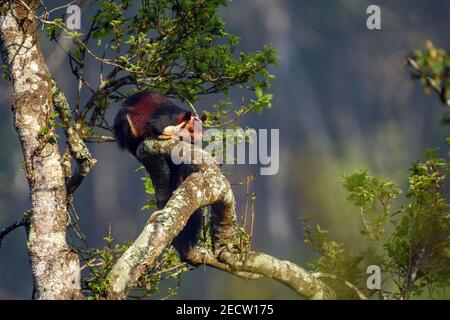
(258, 92)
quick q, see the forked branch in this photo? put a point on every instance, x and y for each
(205, 185)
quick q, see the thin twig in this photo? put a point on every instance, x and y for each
(170, 269)
(99, 139)
(192, 107)
(19, 223)
(358, 292)
(252, 221)
(240, 115)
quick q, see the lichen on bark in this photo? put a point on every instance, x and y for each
(54, 266)
(206, 185)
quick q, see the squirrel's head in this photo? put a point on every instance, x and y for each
(190, 128)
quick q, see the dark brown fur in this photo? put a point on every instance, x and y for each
(145, 115)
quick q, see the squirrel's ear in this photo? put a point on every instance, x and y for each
(187, 116)
(204, 117)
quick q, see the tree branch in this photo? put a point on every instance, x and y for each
(19, 223)
(77, 147)
(54, 266)
(205, 185)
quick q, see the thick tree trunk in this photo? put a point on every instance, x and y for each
(55, 267)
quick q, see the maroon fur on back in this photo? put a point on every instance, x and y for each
(141, 109)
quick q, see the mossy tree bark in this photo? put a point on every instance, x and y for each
(205, 185)
(55, 267)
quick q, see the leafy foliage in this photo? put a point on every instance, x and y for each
(415, 252)
(180, 48)
(373, 196)
(431, 67)
(150, 190)
(411, 244)
(335, 262)
(99, 262)
(419, 246)
(4, 74)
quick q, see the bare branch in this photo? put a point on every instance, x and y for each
(77, 147)
(19, 223)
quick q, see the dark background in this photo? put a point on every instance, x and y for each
(343, 100)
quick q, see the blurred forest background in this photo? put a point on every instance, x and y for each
(343, 99)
